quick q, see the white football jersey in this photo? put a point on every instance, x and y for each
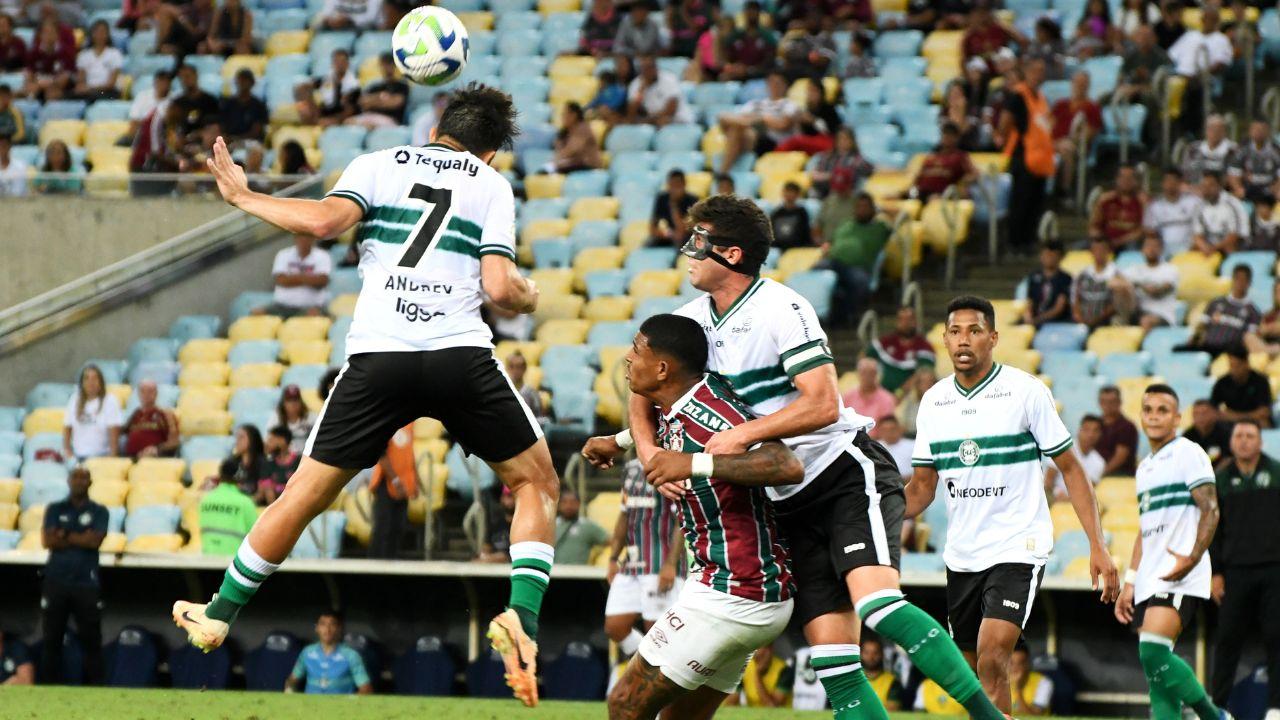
(766, 338)
(1168, 518)
(986, 445)
(430, 213)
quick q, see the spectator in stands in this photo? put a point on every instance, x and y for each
(72, 532)
(1170, 28)
(1243, 393)
(1210, 431)
(845, 154)
(12, 123)
(1140, 64)
(292, 412)
(668, 223)
(50, 65)
(575, 144)
(351, 15)
(426, 117)
(1048, 289)
(16, 665)
(57, 159)
(1228, 319)
(383, 103)
(766, 681)
(1197, 51)
(984, 35)
(243, 117)
(1093, 290)
(898, 444)
(301, 275)
(1267, 337)
(226, 513)
(293, 160)
(496, 547)
(948, 165)
(913, 390)
(1134, 15)
(160, 146)
(13, 172)
(279, 462)
(1119, 442)
(816, 123)
(249, 455)
(1256, 170)
(338, 91)
(751, 49)
(599, 28)
(883, 682)
(957, 111)
(1222, 225)
(860, 63)
(851, 253)
(1216, 153)
(807, 51)
(933, 700)
(640, 32)
(393, 484)
(517, 366)
(92, 422)
(13, 49)
(901, 352)
(686, 21)
(1031, 690)
(181, 28)
(656, 97)
(151, 430)
(1171, 215)
(1264, 230)
(724, 184)
(1024, 125)
(610, 102)
(869, 398)
(231, 31)
(1067, 141)
(838, 207)
(791, 221)
(98, 66)
(759, 125)
(150, 99)
(712, 51)
(1086, 450)
(576, 536)
(1147, 293)
(1117, 217)
(927, 15)
(1094, 31)
(198, 107)
(1246, 562)
(1048, 45)
(330, 666)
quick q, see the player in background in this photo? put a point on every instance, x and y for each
(436, 238)
(1169, 574)
(843, 522)
(982, 432)
(646, 560)
(739, 593)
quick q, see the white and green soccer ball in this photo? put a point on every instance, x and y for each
(430, 45)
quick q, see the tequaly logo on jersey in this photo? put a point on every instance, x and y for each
(464, 164)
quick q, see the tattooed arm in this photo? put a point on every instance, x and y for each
(770, 463)
(1206, 499)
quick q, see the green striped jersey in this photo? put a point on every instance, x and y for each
(767, 337)
(1168, 517)
(430, 214)
(985, 444)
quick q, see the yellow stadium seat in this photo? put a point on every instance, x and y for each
(912, 233)
(1025, 360)
(532, 352)
(1077, 569)
(121, 392)
(942, 44)
(43, 420)
(102, 469)
(145, 494)
(567, 66)
(847, 381)
(595, 258)
(10, 488)
(559, 307)
(257, 64)
(358, 507)
(712, 142)
(942, 73)
(609, 308)
(1112, 339)
(31, 541)
(1008, 312)
(287, 42)
(1015, 336)
(1131, 390)
(771, 185)
(886, 184)
(1116, 490)
(553, 281)
(548, 7)
(436, 447)
(1122, 545)
(610, 405)
(581, 89)
(698, 183)
(70, 132)
(206, 422)
(594, 208)
(944, 218)
(533, 377)
(202, 470)
(105, 133)
(1075, 261)
(204, 373)
(1064, 518)
(634, 234)
(993, 162)
(780, 162)
(343, 305)
(109, 492)
(113, 543)
(479, 21)
(257, 375)
(1191, 263)
(9, 513)
(304, 328)
(604, 508)
(535, 230)
(306, 352)
(798, 260)
(1200, 288)
(432, 477)
(543, 186)
(311, 398)
(202, 398)
(563, 332)
(304, 135)
(1259, 361)
(254, 327)
(897, 6)
(170, 543)
(1121, 518)
(655, 283)
(204, 350)
(157, 470)
(31, 519)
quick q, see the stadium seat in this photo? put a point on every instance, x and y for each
(1113, 339)
(107, 468)
(10, 464)
(467, 473)
(816, 286)
(11, 418)
(9, 540)
(253, 351)
(563, 332)
(1060, 336)
(11, 442)
(595, 258)
(427, 668)
(265, 374)
(922, 563)
(579, 672)
(267, 666)
(194, 669)
(204, 350)
(110, 493)
(655, 283)
(43, 420)
(485, 677)
(254, 327)
(1123, 364)
(609, 308)
(132, 659)
(170, 543)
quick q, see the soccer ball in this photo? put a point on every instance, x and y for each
(430, 45)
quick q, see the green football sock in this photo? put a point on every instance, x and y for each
(839, 667)
(240, 582)
(1170, 676)
(530, 574)
(930, 648)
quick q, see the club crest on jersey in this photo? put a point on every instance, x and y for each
(969, 452)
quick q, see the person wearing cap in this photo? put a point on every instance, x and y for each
(292, 412)
(226, 514)
(1243, 393)
(851, 253)
(72, 533)
(1025, 126)
(837, 207)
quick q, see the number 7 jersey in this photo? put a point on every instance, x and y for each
(429, 215)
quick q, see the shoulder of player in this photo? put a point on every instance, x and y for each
(1020, 378)
(941, 391)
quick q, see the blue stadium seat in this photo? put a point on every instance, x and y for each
(594, 233)
(115, 519)
(1133, 117)
(461, 469)
(11, 418)
(649, 307)
(344, 280)
(580, 672)
(552, 253)
(908, 93)
(650, 258)
(715, 93)
(1116, 366)
(625, 138)
(586, 183)
(631, 162)
(9, 540)
(561, 42)
(11, 443)
(678, 137)
(267, 666)
(638, 185)
(113, 371)
(387, 137)
(601, 283)
(41, 492)
(192, 327)
(534, 160)
(1060, 336)
(1000, 187)
(50, 394)
(163, 372)
(11, 459)
(534, 136)
(898, 43)
(253, 351)
(1070, 545)
(531, 108)
(1260, 261)
(688, 161)
(338, 330)
(603, 334)
(483, 44)
(324, 43)
(486, 677)
(558, 359)
(153, 350)
(132, 659)
(517, 42)
(304, 376)
(1162, 340)
(575, 412)
(863, 91)
(1104, 73)
(34, 446)
(425, 669)
(208, 65)
(569, 380)
(458, 6)
(214, 447)
(148, 65)
(338, 159)
(920, 136)
(922, 563)
(1190, 389)
(815, 286)
(1181, 364)
(1055, 90)
(194, 669)
(1269, 29)
(519, 20)
(1068, 363)
(746, 184)
(107, 110)
(152, 520)
(898, 67)
(322, 538)
(1271, 442)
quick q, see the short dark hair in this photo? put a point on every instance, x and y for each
(574, 108)
(679, 338)
(675, 173)
(721, 177)
(1053, 246)
(950, 128)
(1238, 352)
(1204, 402)
(245, 72)
(1108, 389)
(386, 58)
(228, 469)
(5, 89)
(1161, 389)
(1091, 418)
(973, 302)
(162, 74)
(1174, 171)
(741, 219)
(481, 118)
(1243, 268)
(283, 432)
(334, 613)
(791, 186)
(1248, 421)
(184, 66)
(340, 51)
(1216, 175)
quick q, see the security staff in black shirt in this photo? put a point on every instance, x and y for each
(1246, 561)
(73, 531)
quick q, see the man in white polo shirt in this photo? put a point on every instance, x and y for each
(301, 275)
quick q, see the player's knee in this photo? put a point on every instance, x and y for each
(617, 627)
(993, 662)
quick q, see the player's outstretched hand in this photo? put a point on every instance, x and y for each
(1182, 564)
(1124, 605)
(1102, 567)
(727, 442)
(601, 451)
(232, 182)
(668, 472)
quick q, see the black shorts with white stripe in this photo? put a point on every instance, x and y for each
(1186, 605)
(1003, 592)
(850, 516)
(376, 394)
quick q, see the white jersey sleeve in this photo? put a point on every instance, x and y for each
(1198, 466)
(498, 236)
(801, 342)
(922, 453)
(358, 182)
(1052, 436)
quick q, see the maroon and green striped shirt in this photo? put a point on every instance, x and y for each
(651, 520)
(730, 529)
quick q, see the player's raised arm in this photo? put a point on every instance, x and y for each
(770, 464)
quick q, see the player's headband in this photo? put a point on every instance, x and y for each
(700, 242)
